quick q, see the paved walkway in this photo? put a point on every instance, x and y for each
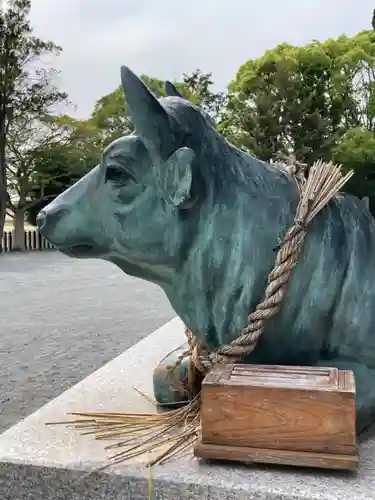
(61, 319)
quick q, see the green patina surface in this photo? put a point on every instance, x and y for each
(177, 205)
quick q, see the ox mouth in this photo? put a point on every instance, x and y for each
(78, 250)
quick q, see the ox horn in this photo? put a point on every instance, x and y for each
(171, 90)
(149, 117)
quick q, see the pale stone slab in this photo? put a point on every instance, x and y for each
(50, 463)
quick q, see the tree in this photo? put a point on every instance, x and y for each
(301, 100)
(252, 119)
(25, 91)
(43, 157)
(357, 151)
(284, 103)
(58, 164)
(197, 88)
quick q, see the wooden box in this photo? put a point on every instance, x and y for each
(302, 416)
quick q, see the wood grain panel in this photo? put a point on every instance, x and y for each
(280, 408)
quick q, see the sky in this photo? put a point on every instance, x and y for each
(166, 38)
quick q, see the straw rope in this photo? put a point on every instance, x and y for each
(323, 182)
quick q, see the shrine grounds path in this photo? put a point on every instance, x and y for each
(60, 320)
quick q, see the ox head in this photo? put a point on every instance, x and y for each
(131, 209)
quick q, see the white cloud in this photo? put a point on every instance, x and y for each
(165, 39)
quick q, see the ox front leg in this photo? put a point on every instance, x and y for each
(365, 390)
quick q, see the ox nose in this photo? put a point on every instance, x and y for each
(47, 220)
(41, 219)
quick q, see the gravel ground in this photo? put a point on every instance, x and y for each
(61, 319)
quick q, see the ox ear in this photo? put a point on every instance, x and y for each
(171, 90)
(174, 177)
(150, 119)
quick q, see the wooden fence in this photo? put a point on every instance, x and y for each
(33, 241)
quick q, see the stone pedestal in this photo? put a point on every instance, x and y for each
(51, 462)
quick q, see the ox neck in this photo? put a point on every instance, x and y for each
(224, 275)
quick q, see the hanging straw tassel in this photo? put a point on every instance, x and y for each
(172, 434)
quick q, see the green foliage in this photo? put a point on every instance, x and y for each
(26, 91)
(60, 163)
(110, 116)
(357, 151)
(197, 88)
(311, 102)
(301, 100)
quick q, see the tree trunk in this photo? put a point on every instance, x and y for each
(2, 223)
(19, 230)
(3, 185)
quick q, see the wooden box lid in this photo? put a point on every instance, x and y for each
(307, 409)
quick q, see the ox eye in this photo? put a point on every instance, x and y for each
(116, 174)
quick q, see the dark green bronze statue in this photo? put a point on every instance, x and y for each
(177, 205)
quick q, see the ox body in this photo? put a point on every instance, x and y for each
(176, 204)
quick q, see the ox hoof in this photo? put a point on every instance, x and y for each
(171, 386)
